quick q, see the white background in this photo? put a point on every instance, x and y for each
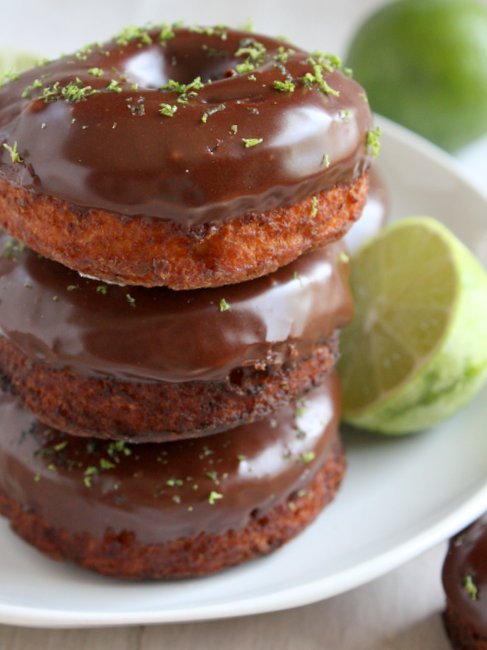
(398, 612)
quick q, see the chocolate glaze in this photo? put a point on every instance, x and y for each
(467, 556)
(56, 317)
(374, 215)
(115, 151)
(162, 491)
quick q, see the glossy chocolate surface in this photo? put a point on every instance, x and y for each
(114, 150)
(374, 216)
(465, 576)
(56, 317)
(165, 491)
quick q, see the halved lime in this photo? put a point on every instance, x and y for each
(16, 61)
(416, 350)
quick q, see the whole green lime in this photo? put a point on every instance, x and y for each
(423, 64)
(15, 61)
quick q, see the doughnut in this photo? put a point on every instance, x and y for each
(153, 364)
(465, 584)
(183, 157)
(172, 510)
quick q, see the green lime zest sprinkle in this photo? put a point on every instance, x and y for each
(213, 497)
(314, 206)
(37, 83)
(95, 72)
(75, 92)
(255, 53)
(167, 110)
(174, 482)
(130, 300)
(166, 32)
(183, 89)
(320, 80)
(102, 288)
(224, 306)
(106, 464)
(88, 475)
(283, 54)
(117, 447)
(316, 78)
(133, 33)
(284, 86)
(470, 587)
(72, 287)
(246, 66)
(251, 48)
(114, 86)
(72, 93)
(15, 157)
(307, 457)
(326, 160)
(218, 30)
(8, 76)
(51, 93)
(329, 62)
(251, 142)
(372, 141)
(234, 129)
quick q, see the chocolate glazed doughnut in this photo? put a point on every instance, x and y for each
(182, 157)
(185, 508)
(151, 364)
(465, 584)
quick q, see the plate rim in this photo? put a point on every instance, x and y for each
(310, 592)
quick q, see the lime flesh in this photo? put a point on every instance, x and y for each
(423, 64)
(416, 350)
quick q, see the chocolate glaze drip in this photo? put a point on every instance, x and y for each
(467, 556)
(164, 492)
(114, 150)
(56, 317)
(374, 215)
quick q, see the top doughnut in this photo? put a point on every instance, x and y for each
(185, 157)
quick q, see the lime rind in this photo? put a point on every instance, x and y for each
(451, 373)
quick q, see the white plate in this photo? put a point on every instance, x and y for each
(399, 497)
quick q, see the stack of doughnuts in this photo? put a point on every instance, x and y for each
(172, 286)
